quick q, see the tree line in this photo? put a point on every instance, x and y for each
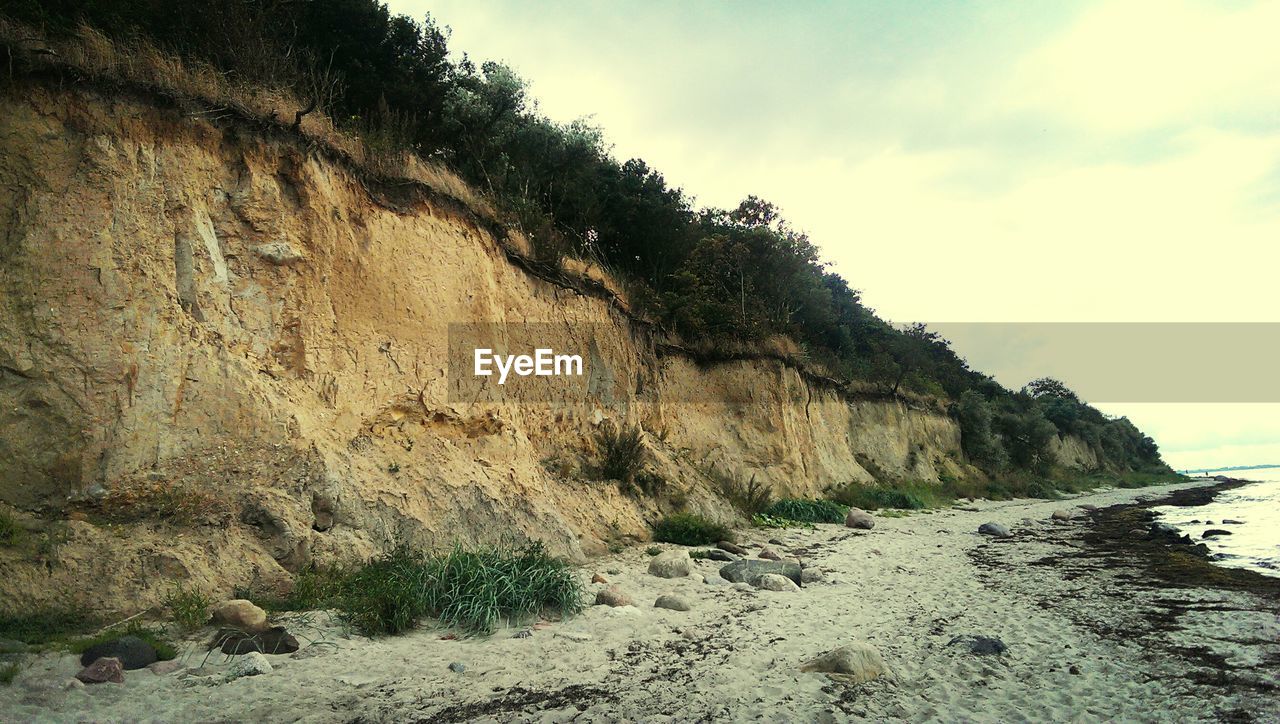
(735, 277)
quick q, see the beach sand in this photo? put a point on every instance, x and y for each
(1090, 635)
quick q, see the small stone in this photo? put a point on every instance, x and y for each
(672, 564)
(671, 602)
(855, 663)
(612, 596)
(812, 575)
(748, 570)
(1060, 515)
(859, 519)
(1074, 670)
(737, 550)
(240, 614)
(1214, 533)
(715, 554)
(597, 578)
(776, 542)
(457, 667)
(770, 554)
(994, 529)
(1232, 521)
(775, 582)
(981, 645)
(102, 671)
(251, 664)
(133, 652)
(163, 668)
(70, 684)
(1089, 507)
(575, 636)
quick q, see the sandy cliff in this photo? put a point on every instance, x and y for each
(224, 355)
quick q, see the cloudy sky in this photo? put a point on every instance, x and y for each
(960, 162)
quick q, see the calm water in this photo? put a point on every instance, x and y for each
(1254, 541)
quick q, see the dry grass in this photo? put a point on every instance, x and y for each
(179, 504)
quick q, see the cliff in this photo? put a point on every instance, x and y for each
(224, 355)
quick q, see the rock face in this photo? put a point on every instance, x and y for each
(131, 651)
(672, 564)
(261, 308)
(750, 570)
(858, 661)
(239, 614)
(776, 582)
(994, 529)
(102, 671)
(859, 519)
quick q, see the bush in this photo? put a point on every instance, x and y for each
(9, 672)
(760, 520)
(622, 452)
(471, 589)
(46, 627)
(808, 511)
(751, 497)
(10, 532)
(189, 608)
(689, 529)
(907, 496)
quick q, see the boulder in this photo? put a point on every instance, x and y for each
(859, 519)
(1214, 533)
(131, 651)
(239, 614)
(855, 663)
(251, 664)
(981, 645)
(671, 602)
(1061, 515)
(672, 564)
(748, 570)
(737, 550)
(775, 582)
(994, 529)
(275, 640)
(102, 671)
(613, 596)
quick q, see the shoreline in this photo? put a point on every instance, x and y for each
(1097, 624)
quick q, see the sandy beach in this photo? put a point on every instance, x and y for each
(1089, 636)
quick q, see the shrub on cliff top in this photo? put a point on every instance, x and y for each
(689, 529)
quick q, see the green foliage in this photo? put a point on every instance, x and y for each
(906, 496)
(652, 550)
(472, 589)
(11, 533)
(761, 520)
(731, 279)
(155, 637)
(9, 672)
(188, 607)
(622, 452)
(44, 628)
(808, 511)
(689, 529)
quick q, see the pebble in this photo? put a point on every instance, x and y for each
(457, 667)
(250, 664)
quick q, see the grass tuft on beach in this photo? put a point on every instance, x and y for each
(690, 529)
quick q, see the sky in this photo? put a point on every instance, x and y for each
(1029, 161)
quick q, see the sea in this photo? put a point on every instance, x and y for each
(1254, 510)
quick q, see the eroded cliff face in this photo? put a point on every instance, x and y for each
(223, 356)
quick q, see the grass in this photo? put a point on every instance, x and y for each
(808, 511)
(750, 497)
(622, 452)
(9, 672)
(74, 632)
(181, 505)
(474, 590)
(919, 495)
(11, 534)
(761, 520)
(689, 529)
(188, 607)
